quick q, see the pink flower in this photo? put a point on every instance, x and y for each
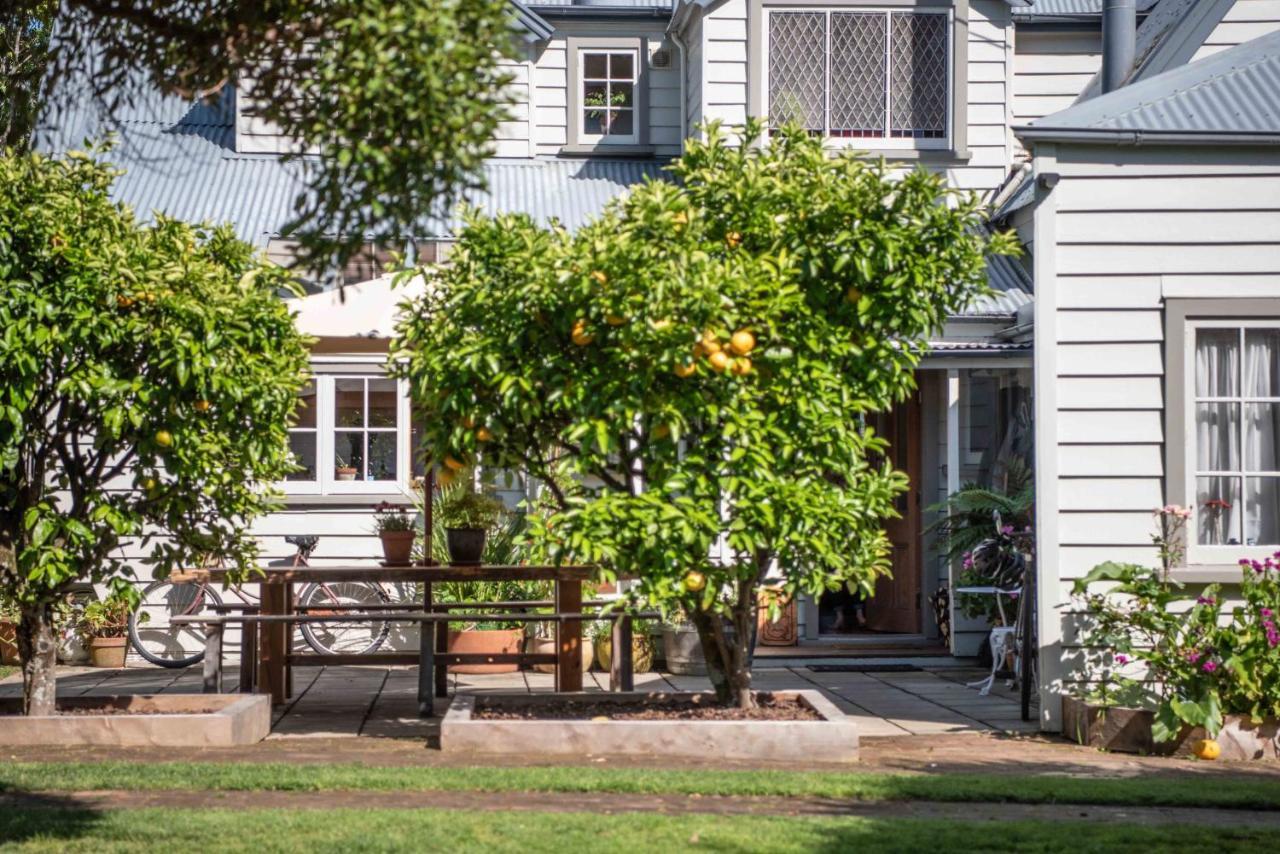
(1122, 659)
(1205, 600)
(1266, 612)
(1194, 656)
(1210, 666)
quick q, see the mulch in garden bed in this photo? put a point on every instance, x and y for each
(768, 708)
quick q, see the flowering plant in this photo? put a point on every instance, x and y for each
(1202, 659)
(391, 517)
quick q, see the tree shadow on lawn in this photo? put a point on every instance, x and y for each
(44, 816)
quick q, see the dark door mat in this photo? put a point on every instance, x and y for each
(863, 668)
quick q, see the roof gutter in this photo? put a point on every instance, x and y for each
(627, 12)
(1146, 137)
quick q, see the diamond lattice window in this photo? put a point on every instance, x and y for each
(861, 75)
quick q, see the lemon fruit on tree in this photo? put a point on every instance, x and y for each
(729, 407)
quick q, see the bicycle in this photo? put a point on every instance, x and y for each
(153, 636)
(1026, 642)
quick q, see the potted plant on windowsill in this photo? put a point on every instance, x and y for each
(394, 526)
(343, 471)
(466, 517)
(105, 624)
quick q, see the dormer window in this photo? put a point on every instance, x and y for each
(608, 93)
(881, 78)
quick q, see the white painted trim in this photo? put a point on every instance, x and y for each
(1048, 571)
(951, 390)
(1219, 287)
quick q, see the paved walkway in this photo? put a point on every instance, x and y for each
(381, 701)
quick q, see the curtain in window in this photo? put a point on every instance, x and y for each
(1262, 435)
(1218, 436)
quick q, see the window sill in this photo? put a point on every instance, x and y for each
(1207, 573)
(363, 501)
(607, 149)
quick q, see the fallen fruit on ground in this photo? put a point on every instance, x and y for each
(1207, 748)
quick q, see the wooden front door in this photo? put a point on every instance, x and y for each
(896, 604)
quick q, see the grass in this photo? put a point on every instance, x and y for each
(76, 829)
(7, 670)
(1230, 793)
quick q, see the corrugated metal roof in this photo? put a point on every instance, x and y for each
(529, 21)
(1233, 94)
(1010, 289)
(1070, 9)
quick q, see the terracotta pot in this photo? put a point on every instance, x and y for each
(547, 646)
(466, 545)
(345, 473)
(485, 642)
(8, 643)
(397, 547)
(107, 652)
(641, 653)
(783, 632)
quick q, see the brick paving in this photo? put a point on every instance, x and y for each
(381, 702)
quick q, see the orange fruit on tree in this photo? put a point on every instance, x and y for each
(733, 238)
(660, 325)
(719, 361)
(742, 342)
(124, 301)
(685, 369)
(599, 276)
(741, 367)
(580, 335)
(454, 464)
(711, 342)
(662, 431)
(164, 438)
(444, 477)
(614, 319)
(468, 422)
(1208, 749)
(680, 218)
(201, 405)
(483, 435)
(694, 581)
(853, 294)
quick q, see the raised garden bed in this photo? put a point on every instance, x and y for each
(1122, 730)
(678, 725)
(177, 720)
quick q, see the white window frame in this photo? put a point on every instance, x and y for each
(580, 104)
(326, 482)
(878, 143)
(1216, 554)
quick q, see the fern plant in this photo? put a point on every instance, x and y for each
(975, 513)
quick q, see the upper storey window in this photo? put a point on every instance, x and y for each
(608, 96)
(880, 76)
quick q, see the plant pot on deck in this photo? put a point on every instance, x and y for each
(641, 653)
(107, 652)
(8, 643)
(547, 646)
(466, 545)
(397, 547)
(485, 642)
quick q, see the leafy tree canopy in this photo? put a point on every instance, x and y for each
(24, 45)
(400, 97)
(699, 361)
(147, 376)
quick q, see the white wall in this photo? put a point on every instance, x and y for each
(1121, 230)
(1050, 70)
(1245, 21)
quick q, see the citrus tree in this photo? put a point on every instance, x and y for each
(697, 364)
(147, 375)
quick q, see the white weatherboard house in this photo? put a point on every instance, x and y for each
(1140, 334)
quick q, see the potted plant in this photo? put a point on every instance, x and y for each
(641, 645)
(540, 639)
(105, 624)
(394, 526)
(342, 471)
(489, 638)
(466, 517)
(8, 632)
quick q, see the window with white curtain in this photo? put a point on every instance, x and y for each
(1235, 415)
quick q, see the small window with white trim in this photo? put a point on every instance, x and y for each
(877, 76)
(607, 96)
(1233, 450)
(350, 436)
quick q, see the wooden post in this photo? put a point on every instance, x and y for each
(426, 657)
(569, 637)
(621, 666)
(248, 656)
(271, 669)
(213, 658)
(286, 604)
(442, 670)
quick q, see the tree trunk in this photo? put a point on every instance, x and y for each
(729, 655)
(38, 651)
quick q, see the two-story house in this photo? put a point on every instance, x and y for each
(1003, 97)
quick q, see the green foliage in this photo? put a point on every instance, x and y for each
(588, 357)
(402, 97)
(147, 375)
(462, 507)
(106, 618)
(24, 49)
(391, 517)
(975, 513)
(1189, 659)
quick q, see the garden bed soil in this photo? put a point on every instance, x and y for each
(660, 725)
(189, 720)
(769, 708)
(1122, 730)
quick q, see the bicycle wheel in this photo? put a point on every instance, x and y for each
(1028, 653)
(343, 637)
(155, 638)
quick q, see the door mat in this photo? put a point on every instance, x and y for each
(863, 668)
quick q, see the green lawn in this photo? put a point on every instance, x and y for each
(455, 830)
(7, 670)
(1234, 793)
